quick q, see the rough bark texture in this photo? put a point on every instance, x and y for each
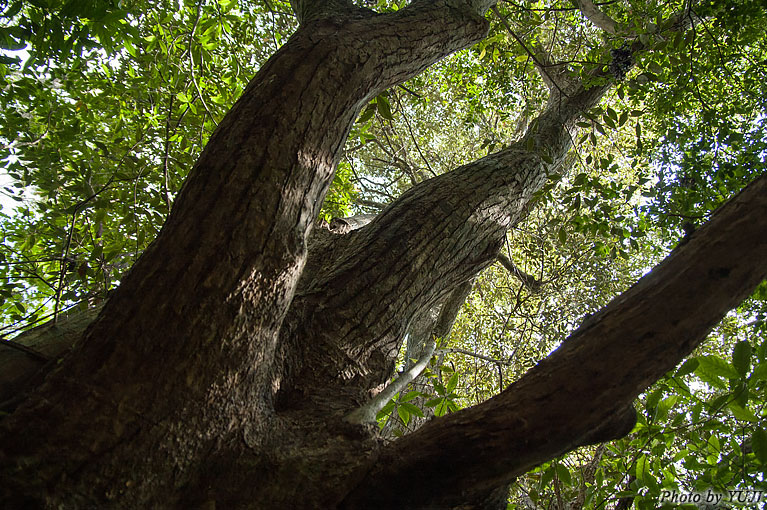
(580, 394)
(181, 363)
(220, 371)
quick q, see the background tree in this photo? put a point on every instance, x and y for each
(271, 357)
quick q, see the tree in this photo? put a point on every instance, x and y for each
(235, 363)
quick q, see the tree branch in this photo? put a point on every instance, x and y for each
(527, 280)
(590, 381)
(597, 16)
(367, 413)
(425, 344)
(541, 60)
(475, 355)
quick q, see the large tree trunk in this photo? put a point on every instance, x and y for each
(182, 363)
(221, 370)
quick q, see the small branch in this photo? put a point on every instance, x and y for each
(78, 208)
(412, 93)
(625, 503)
(191, 64)
(367, 413)
(166, 155)
(596, 16)
(473, 354)
(527, 280)
(541, 66)
(412, 137)
(440, 329)
(64, 263)
(274, 24)
(15, 144)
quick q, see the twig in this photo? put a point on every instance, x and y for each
(527, 280)
(473, 354)
(165, 180)
(541, 67)
(412, 93)
(191, 64)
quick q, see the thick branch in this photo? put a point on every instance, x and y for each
(591, 379)
(440, 233)
(597, 16)
(210, 295)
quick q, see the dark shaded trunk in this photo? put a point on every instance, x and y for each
(220, 372)
(181, 364)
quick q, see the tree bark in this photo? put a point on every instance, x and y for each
(220, 371)
(189, 340)
(581, 393)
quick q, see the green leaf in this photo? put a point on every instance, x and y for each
(367, 114)
(404, 415)
(411, 409)
(442, 408)
(433, 402)
(718, 403)
(759, 444)
(623, 118)
(687, 367)
(666, 405)
(741, 357)
(564, 474)
(384, 108)
(548, 476)
(410, 396)
(452, 383)
(741, 413)
(642, 469)
(759, 373)
(599, 128)
(654, 397)
(713, 367)
(385, 410)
